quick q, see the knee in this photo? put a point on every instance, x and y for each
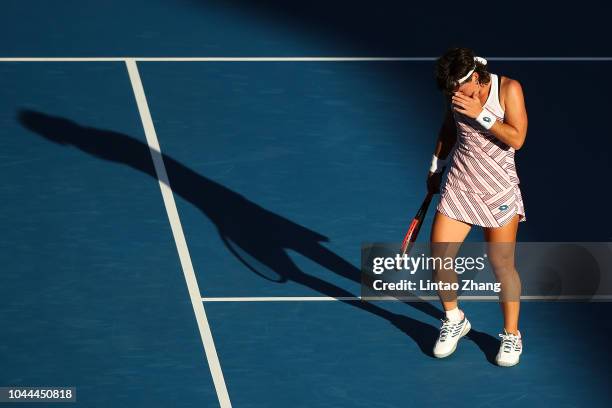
(502, 262)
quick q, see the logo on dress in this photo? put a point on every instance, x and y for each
(503, 207)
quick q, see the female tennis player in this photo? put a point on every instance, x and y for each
(485, 124)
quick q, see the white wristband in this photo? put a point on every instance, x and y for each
(486, 119)
(437, 165)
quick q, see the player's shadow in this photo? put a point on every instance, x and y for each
(249, 230)
(488, 344)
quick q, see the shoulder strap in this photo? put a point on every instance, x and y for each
(499, 89)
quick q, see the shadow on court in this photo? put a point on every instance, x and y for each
(240, 222)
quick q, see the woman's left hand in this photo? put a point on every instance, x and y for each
(469, 106)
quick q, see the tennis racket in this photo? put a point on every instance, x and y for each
(251, 262)
(415, 225)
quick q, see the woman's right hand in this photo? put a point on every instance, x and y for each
(433, 182)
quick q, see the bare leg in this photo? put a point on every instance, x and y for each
(450, 233)
(501, 245)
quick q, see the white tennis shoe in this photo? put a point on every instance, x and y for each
(450, 333)
(510, 349)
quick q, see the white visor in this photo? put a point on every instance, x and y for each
(469, 74)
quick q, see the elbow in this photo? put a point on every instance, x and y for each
(518, 143)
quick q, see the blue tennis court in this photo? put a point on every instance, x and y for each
(187, 232)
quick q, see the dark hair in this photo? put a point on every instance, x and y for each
(455, 64)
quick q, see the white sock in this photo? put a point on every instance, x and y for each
(454, 315)
(518, 333)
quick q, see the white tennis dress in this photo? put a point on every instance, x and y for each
(482, 185)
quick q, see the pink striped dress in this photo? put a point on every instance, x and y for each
(482, 186)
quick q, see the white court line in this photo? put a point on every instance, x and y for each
(179, 237)
(283, 59)
(388, 298)
(280, 299)
(64, 59)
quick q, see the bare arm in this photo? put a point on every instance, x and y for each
(447, 136)
(514, 129)
(444, 145)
